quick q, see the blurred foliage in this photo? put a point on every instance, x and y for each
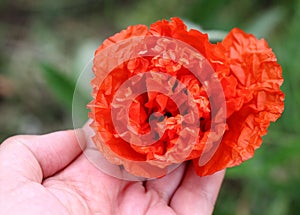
(46, 44)
(61, 86)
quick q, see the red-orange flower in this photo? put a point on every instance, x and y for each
(245, 67)
(254, 99)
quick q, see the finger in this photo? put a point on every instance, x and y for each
(37, 157)
(199, 193)
(167, 185)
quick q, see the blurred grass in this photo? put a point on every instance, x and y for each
(62, 36)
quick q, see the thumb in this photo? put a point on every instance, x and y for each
(28, 157)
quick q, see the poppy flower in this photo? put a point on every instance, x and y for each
(164, 95)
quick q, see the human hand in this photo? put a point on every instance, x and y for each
(49, 174)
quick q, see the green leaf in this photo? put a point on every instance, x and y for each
(265, 23)
(60, 84)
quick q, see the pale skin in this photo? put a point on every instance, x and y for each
(49, 174)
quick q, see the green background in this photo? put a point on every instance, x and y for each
(44, 45)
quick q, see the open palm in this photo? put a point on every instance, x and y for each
(49, 174)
